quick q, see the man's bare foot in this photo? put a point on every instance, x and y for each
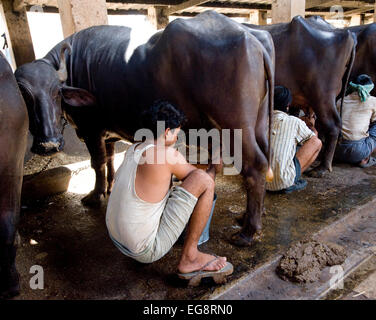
(197, 261)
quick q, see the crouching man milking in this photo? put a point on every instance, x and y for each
(358, 134)
(145, 216)
(295, 147)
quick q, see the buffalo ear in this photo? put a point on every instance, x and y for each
(77, 97)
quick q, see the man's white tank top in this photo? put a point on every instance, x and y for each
(130, 220)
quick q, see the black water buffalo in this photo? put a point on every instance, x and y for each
(314, 62)
(365, 52)
(97, 90)
(213, 68)
(13, 137)
(365, 49)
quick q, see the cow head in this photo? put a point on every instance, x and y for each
(43, 88)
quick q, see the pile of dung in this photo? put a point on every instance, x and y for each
(305, 260)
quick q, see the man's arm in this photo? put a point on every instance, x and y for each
(181, 168)
(303, 132)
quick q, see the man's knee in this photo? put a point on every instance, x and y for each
(317, 143)
(205, 179)
(202, 178)
(198, 182)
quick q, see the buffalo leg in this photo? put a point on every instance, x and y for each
(9, 215)
(97, 150)
(253, 171)
(329, 127)
(9, 277)
(110, 156)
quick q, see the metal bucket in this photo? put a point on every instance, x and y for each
(205, 234)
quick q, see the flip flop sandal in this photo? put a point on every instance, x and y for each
(219, 276)
(371, 162)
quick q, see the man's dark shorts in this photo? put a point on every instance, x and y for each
(299, 184)
(354, 152)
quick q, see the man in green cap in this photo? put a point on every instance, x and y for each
(358, 135)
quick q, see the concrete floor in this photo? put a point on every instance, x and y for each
(366, 290)
(79, 261)
(360, 285)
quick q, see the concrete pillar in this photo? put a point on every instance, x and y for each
(286, 10)
(158, 17)
(258, 17)
(77, 15)
(356, 20)
(19, 33)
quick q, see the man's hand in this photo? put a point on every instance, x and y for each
(310, 121)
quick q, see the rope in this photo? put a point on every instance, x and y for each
(51, 158)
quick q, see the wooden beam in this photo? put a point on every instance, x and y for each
(18, 5)
(355, 4)
(346, 4)
(151, 2)
(236, 5)
(316, 3)
(356, 11)
(230, 15)
(19, 33)
(185, 5)
(158, 17)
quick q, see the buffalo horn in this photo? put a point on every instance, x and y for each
(62, 72)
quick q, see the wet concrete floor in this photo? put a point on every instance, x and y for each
(71, 243)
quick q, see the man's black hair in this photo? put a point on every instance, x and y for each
(162, 111)
(282, 98)
(363, 80)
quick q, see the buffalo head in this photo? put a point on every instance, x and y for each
(43, 88)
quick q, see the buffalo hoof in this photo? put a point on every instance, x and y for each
(240, 220)
(10, 293)
(241, 240)
(93, 199)
(318, 172)
(9, 285)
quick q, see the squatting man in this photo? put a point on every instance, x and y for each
(358, 135)
(146, 215)
(295, 146)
